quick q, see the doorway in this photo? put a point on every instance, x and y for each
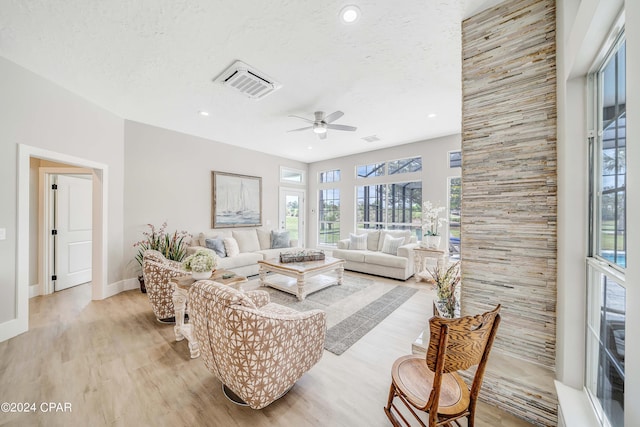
(291, 213)
(99, 288)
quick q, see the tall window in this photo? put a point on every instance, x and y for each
(396, 206)
(329, 216)
(606, 289)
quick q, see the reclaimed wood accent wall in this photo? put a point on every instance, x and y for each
(509, 187)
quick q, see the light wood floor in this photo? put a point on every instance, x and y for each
(115, 365)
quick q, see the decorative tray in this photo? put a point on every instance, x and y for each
(301, 256)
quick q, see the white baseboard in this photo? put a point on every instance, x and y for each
(11, 328)
(121, 286)
(35, 290)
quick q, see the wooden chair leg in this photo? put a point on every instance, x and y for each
(392, 394)
(387, 409)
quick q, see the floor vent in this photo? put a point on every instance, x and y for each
(247, 80)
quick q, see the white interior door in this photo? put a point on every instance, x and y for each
(72, 219)
(291, 216)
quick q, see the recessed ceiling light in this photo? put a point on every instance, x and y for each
(350, 14)
(432, 115)
(203, 113)
(309, 148)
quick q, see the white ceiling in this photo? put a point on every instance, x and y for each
(154, 61)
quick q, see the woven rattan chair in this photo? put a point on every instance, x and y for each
(432, 384)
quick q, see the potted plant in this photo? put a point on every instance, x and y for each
(446, 281)
(201, 264)
(171, 246)
(431, 222)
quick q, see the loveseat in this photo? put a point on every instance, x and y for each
(240, 250)
(387, 253)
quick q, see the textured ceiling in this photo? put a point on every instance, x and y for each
(154, 61)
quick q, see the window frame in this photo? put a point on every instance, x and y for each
(400, 172)
(320, 214)
(600, 270)
(376, 165)
(385, 223)
(449, 160)
(333, 173)
(300, 172)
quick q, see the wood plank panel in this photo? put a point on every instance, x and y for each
(509, 191)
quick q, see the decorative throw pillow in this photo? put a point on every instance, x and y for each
(394, 233)
(358, 242)
(231, 246)
(373, 237)
(391, 244)
(217, 245)
(279, 239)
(264, 237)
(247, 240)
(202, 238)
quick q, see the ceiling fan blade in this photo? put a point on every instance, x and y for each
(302, 118)
(342, 127)
(333, 116)
(304, 128)
(322, 135)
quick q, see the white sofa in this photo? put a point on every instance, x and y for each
(253, 244)
(372, 260)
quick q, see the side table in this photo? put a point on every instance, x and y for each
(420, 257)
(181, 287)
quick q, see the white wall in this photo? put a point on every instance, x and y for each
(40, 114)
(434, 175)
(168, 177)
(582, 30)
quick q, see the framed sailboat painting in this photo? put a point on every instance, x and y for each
(236, 200)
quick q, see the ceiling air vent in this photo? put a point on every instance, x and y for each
(247, 80)
(371, 138)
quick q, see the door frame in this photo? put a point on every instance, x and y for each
(100, 173)
(45, 175)
(302, 212)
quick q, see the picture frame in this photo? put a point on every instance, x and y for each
(236, 200)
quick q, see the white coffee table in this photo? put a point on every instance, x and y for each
(301, 278)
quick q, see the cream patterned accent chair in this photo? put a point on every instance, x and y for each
(158, 272)
(257, 349)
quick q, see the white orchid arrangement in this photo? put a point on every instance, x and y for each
(431, 219)
(202, 260)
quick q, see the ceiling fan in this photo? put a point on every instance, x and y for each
(322, 123)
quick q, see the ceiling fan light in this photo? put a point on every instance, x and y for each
(319, 128)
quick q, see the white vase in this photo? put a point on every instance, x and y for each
(200, 275)
(432, 242)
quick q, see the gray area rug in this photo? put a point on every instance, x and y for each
(323, 298)
(344, 334)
